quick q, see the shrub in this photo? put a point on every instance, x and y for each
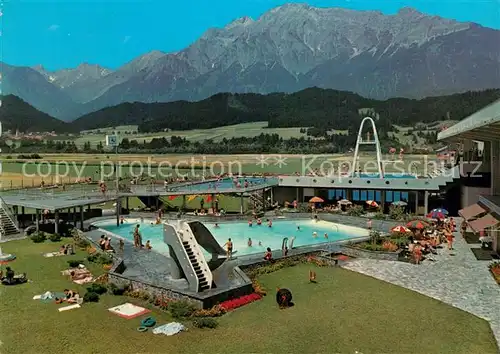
(91, 297)
(161, 302)
(181, 309)
(92, 258)
(55, 237)
(139, 294)
(105, 259)
(38, 237)
(303, 207)
(82, 244)
(389, 246)
(374, 237)
(215, 311)
(74, 263)
(258, 288)
(356, 210)
(396, 212)
(205, 322)
(495, 268)
(29, 157)
(379, 216)
(97, 288)
(117, 290)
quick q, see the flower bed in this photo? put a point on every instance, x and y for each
(239, 302)
(495, 271)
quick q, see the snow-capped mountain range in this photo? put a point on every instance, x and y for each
(287, 49)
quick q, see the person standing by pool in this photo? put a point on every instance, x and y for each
(102, 242)
(369, 224)
(229, 248)
(137, 237)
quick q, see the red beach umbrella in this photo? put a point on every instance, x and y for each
(400, 229)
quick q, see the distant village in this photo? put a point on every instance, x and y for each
(17, 135)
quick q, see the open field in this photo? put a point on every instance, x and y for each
(216, 134)
(345, 312)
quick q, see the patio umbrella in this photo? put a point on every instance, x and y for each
(400, 203)
(400, 229)
(436, 215)
(6, 258)
(439, 211)
(417, 224)
(316, 200)
(344, 202)
(372, 203)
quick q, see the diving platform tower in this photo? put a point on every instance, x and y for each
(354, 167)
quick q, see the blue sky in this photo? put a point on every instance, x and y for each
(64, 33)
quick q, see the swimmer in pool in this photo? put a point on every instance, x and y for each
(216, 225)
(326, 235)
(250, 223)
(298, 228)
(315, 234)
(249, 242)
(260, 243)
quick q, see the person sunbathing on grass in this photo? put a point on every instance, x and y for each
(70, 297)
(80, 274)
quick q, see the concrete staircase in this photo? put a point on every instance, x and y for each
(189, 255)
(8, 224)
(258, 200)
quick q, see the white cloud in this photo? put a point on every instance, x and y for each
(126, 39)
(53, 27)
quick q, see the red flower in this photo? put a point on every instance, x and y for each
(238, 302)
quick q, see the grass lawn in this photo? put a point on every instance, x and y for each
(344, 313)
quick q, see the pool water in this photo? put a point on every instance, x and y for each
(240, 232)
(386, 175)
(226, 183)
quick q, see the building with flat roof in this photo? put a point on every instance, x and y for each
(477, 138)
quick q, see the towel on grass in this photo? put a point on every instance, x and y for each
(169, 329)
(53, 254)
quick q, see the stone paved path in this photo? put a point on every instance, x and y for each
(458, 280)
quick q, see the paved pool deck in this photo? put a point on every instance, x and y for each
(454, 277)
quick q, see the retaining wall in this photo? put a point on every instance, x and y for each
(361, 253)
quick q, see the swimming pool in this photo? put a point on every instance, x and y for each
(226, 184)
(240, 232)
